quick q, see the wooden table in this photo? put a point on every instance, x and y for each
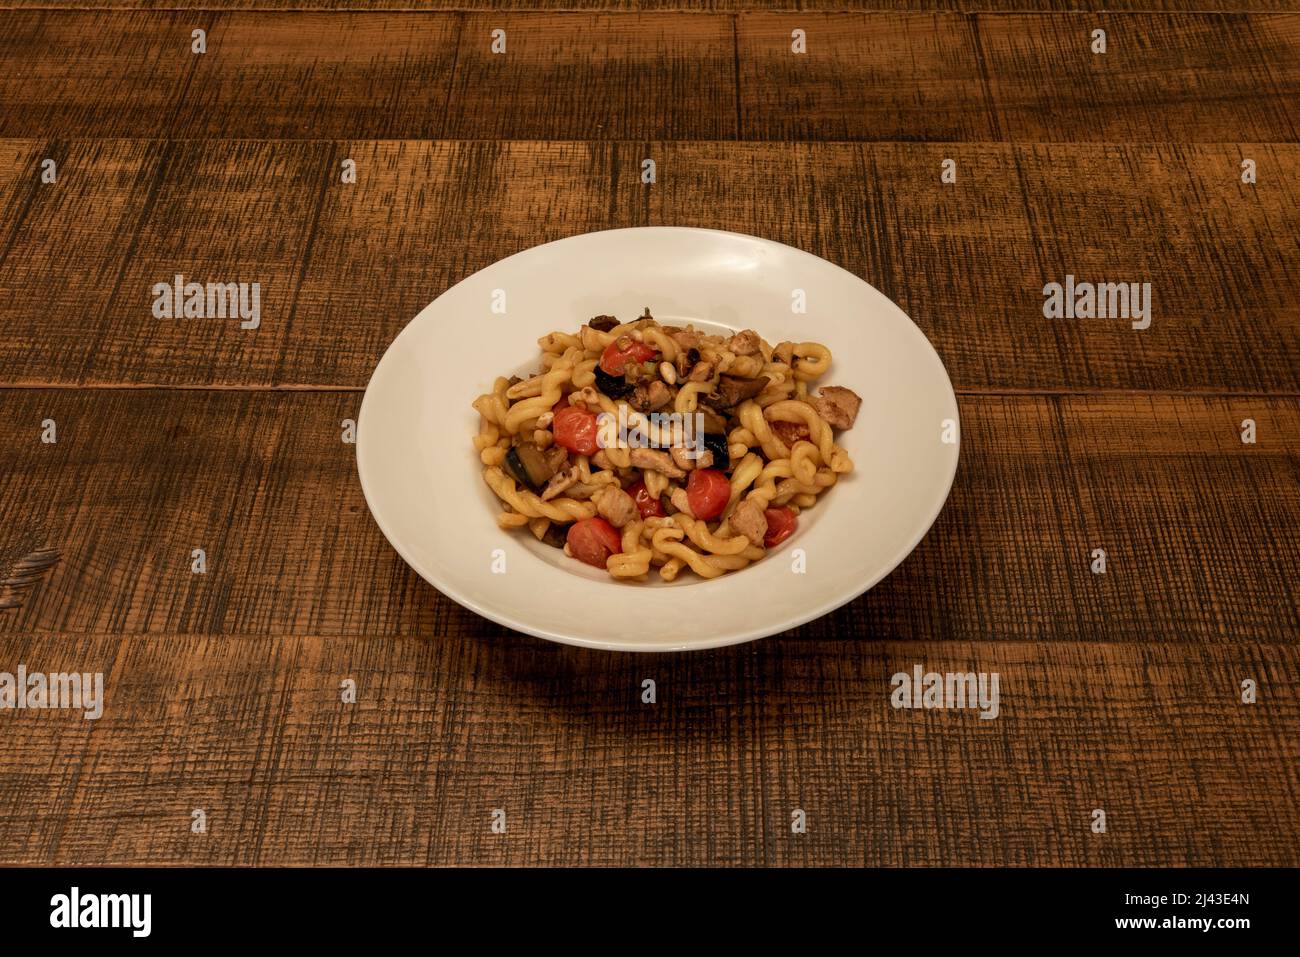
(1120, 691)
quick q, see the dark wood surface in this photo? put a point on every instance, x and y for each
(925, 76)
(139, 478)
(1120, 691)
(343, 267)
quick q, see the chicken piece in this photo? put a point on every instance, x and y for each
(686, 339)
(560, 482)
(744, 343)
(837, 405)
(557, 458)
(660, 396)
(748, 520)
(650, 397)
(702, 371)
(656, 461)
(616, 506)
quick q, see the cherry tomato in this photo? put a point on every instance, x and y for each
(576, 430)
(592, 540)
(613, 359)
(707, 493)
(781, 523)
(646, 504)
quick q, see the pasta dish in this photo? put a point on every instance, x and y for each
(639, 446)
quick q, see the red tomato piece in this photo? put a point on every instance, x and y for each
(781, 523)
(592, 540)
(613, 359)
(646, 504)
(576, 430)
(707, 493)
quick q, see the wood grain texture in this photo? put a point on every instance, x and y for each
(296, 75)
(344, 267)
(882, 76)
(1021, 77)
(793, 7)
(1119, 691)
(1202, 532)
(595, 77)
(445, 729)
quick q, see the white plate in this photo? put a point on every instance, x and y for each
(421, 475)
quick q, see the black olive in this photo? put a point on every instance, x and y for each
(717, 444)
(615, 387)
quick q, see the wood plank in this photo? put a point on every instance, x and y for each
(685, 6)
(321, 75)
(1199, 77)
(608, 76)
(251, 730)
(573, 76)
(344, 267)
(900, 76)
(1202, 531)
(295, 75)
(1021, 77)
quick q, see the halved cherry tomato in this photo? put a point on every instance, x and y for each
(781, 523)
(592, 540)
(707, 493)
(648, 505)
(613, 359)
(576, 430)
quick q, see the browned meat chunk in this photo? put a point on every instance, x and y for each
(837, 405)
(648, 398)
(660, 395)
(685, 338)
(702, 371)
(557, 458)
(733, 391)
(616, 506)
(744, 343)
(748, 520)
(791, 432)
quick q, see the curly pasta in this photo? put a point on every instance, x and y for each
(589, 451)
